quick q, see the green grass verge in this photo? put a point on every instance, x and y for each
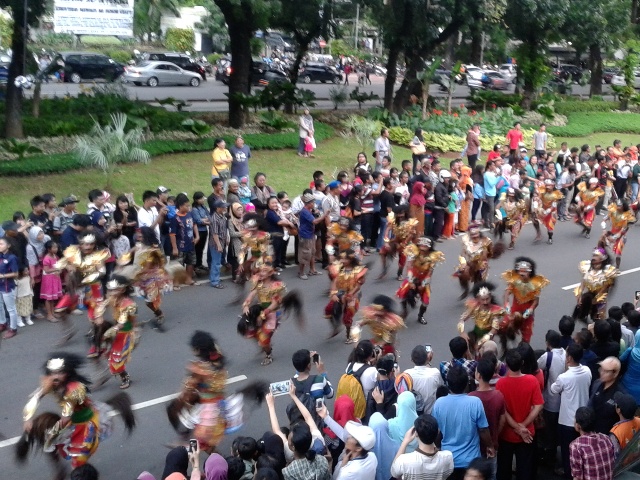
(587, 123)
(186, 172)
(46, 164)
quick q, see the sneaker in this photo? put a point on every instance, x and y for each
(29, 321)
(9, 334)
(21, 324)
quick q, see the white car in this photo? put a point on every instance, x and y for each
(474, 76)
(154, 73)
(508, 70)
(618, 80)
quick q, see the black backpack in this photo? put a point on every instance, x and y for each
(303, 392)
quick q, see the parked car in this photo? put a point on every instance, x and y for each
(473, 76)
(263, 74)
(319, 72)
(608, 73)
(493, 80)
(508, 70)
(78, 66)
(618, 80)
(182, 60)
(160, 73)
(566, 71)
(277, 40)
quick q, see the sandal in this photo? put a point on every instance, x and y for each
(267, 361)
(349, 341)
(303, 277)
(316, 272)
(176, 288)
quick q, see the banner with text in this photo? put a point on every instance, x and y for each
(94, 17)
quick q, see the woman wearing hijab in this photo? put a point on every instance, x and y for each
(215, 468)
(390, 433)
(343, 411)
(417, 201)
(177, 461)
(631, 359)
(35, 254)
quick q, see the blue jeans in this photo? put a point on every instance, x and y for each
(8, 300)
(214, 268)
(634, 191)
(383, 227)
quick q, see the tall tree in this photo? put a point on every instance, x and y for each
(244, 18)
(534, 23)
(596, 32)
(147, 14)
(19, 35)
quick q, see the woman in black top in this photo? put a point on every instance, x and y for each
(126, 218)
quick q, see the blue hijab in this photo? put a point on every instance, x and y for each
(385, 449)
(405, 416)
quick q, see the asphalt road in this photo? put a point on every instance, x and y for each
(210, 95)
(157, 365)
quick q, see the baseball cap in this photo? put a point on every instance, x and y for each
(523, 149)
(363, 435)
(68, 200)
(220, 204)
(162, 189)
(308, 197)
(334, 184)
(445, 174)
(244, 179)
(626, 403)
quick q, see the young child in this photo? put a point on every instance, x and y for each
(118, 243)
(171, 207)
(51, 289)
(244, 192)
(184, 235)
(24, 298)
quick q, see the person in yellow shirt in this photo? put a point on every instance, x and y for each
(221, 162)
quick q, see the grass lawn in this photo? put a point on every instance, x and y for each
(184, 173)
(601, 138)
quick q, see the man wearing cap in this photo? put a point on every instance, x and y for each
(603, 392)
(356, 462)
(331, 202)
(441, 194)
(628, 425)
(307, 237)
(240, 154)
(65, 216)
(592, 454)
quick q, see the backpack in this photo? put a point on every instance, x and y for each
(350, 385)
(303, 392)
(404, 382)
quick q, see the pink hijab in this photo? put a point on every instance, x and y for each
(417, 195)
(216, 468)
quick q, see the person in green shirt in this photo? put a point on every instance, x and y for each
(635, 176)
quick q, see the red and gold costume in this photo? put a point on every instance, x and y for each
(344, 297)
(398, 236)
(206, 384)
(123, 333)
(525, 295)
(255, 247)
(547, 211)
(151, 278)
(587, 200)
(340, 239)
(269, 294)
(616, 236)
(383, 322)
(91, 267)
(514, 216)
(473, 262)
(486, 315)
(419, 273)
(593, 291)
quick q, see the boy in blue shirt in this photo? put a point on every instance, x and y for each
(183, 233)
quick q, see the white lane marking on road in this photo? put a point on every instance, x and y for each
(149, 403)
(625, 272)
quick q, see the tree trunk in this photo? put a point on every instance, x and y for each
(35, 105)
(401, 100)
(528, 93)
(595, 65)
(240, 71)
(295, 71)
(13, 112)
(392, 75)
(634, 11)
(476, 42)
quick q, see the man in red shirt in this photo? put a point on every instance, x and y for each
(523, 402)
(514, 137)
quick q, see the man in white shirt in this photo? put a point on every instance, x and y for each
(382, 147)
(540, 140)
(426, 379)
(148, 215)
(573, 388)
(552, 363)
(331, 203)
(426, 462)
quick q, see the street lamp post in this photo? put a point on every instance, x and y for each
(24, 39)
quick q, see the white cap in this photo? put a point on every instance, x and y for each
(445, 174)
(363, 435)
(593, 180)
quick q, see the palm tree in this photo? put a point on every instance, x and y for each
(107, 146)
(147, 13)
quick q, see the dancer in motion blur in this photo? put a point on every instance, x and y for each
(486, 314)
(514, 208)
(473, 265)
(384, 323)
(587, 201)
(620, 216)
(83, 423)
(400, 233)
(598, 277)
(546, 209)
(422, 262)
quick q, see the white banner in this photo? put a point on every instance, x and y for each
(94, 17)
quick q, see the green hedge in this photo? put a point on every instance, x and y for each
(583, 124)
(47, 164)
(566, 108)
